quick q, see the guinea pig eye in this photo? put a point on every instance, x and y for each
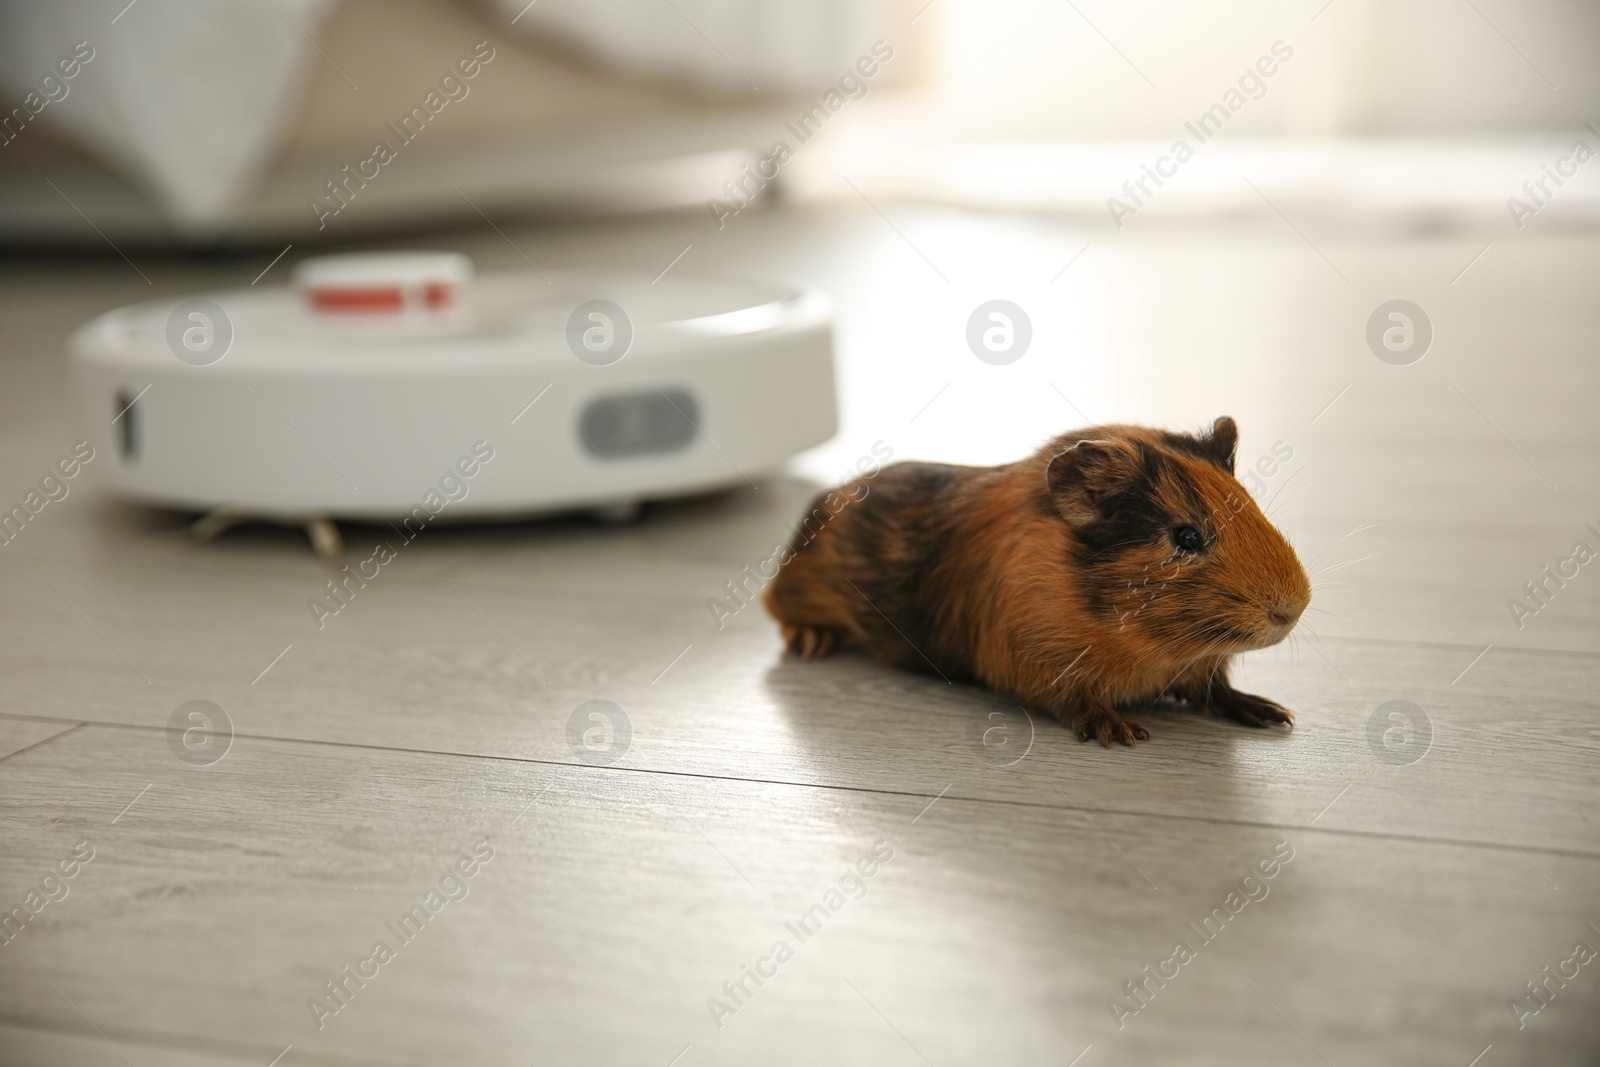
(1188, 539)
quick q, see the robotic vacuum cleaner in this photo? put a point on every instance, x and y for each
(381, 384)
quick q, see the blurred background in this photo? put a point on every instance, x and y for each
(201, 124)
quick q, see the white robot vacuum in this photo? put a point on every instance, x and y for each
(398, 387)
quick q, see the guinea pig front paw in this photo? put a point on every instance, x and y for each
(1105, 726)
(1251, 710)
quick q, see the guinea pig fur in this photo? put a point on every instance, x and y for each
(1116, 565)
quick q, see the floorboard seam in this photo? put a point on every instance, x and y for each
(45, 741)
(243, 1051)
(1547, 850)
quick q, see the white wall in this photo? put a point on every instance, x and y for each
(1041, 69)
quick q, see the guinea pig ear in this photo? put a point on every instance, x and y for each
(1222, 442)
(1087, 476)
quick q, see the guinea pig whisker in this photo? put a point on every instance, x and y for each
(1347, 563)
(1188, 633)
(1219, 667)
(1191, 662)
(1342, 540)
(1197, 632)
(1280, 507)
(1286, 482)
(1215, 641)
(1294, 653)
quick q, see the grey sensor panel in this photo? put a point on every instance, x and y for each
(127, 414)
(637, 424)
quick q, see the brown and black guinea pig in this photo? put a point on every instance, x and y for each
(1116, 565)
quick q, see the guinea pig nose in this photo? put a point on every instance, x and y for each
(1277, 617)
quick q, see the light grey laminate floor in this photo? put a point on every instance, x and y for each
(1426, 868)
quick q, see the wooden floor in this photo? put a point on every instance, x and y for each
(1424, 868)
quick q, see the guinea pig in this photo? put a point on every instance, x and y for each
(1116, 565)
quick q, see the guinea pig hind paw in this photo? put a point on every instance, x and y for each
(808, 642)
